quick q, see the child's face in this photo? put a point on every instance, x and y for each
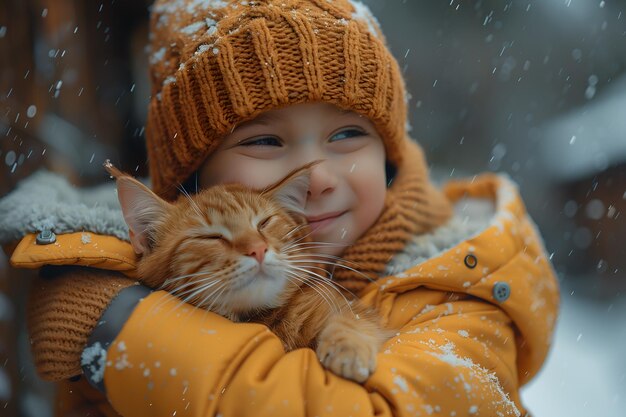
(347, 189)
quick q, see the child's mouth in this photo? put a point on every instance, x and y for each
(319, 222)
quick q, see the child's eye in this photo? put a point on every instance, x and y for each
(348, 133)
(262, 141)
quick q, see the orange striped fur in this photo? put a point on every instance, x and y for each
(204, 248)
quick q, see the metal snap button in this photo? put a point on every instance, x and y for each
(45, 237)
(471, 261)
(501, 291)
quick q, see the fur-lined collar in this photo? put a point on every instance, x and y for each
(48, 201)
(471, 216)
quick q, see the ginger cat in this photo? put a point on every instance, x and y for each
(244, 254)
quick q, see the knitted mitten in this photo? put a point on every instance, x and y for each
(64, 307)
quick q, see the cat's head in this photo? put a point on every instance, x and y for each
(228, 248)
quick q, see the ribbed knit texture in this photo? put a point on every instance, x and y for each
(64, 307)
(216, 63)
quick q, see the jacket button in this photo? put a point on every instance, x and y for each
(45, 237)
(471, 261)
(501, 291)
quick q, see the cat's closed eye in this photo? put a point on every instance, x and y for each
(264, 222)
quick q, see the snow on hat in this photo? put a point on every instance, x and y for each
(217, 63)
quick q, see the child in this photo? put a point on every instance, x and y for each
(246, 92)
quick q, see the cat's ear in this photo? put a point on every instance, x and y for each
(291, 191)
(141, 207)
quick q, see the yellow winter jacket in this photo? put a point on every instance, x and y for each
(475, 323)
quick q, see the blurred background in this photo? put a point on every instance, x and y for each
(535, 89)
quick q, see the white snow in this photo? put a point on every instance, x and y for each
(85, 238)
(449, 356)
(95, 357)
(193, 28)
(31, 111)
(363, 13)
(401, 383)
(203, 48)
(158, 56)
(583, 375)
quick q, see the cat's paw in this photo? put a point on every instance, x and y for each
(347, 353)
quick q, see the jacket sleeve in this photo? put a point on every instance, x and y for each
(453, 355)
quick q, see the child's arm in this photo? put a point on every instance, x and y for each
(459, 359)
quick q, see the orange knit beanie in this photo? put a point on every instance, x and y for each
(217, 63)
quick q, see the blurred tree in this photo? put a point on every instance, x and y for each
(73, 92)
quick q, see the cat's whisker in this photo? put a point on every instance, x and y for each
(323, 296)
(167, 300)
(194, 205)
(326, 296)
(295, 244)
(313, 245)
(179, 293)
(295, 229)
(315, 274)
(337, 265)
(197, 294)
(339, 262)
(330, 287)
(308, 247)
(330, 281)
(217, 297)
(322, 270)
(234, 273)
(291, 276)
(175, 279)
(320, 279)
(177, 297)
(300, 239)
(338, 258)
(209, 277)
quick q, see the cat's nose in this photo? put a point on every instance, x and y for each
(258, 251)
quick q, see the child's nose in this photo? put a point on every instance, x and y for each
(322, 181)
